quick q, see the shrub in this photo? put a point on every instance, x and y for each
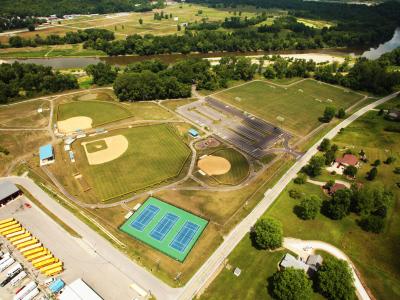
(295, 194)
(372, 223)
(350, 171)
(377, 163)
(300, 179)
(390, 160)
(372, 174)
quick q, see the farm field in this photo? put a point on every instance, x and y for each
(25, 114)
(155, 154)
(295, 108)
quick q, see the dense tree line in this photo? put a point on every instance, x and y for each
(43, 8)
(153, 79)
(366, 24)
(236, 22)
(80, 36)
(13, 22)
(19, 81)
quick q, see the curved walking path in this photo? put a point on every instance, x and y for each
(298, 246)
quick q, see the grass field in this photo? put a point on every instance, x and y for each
(239, 167)
(155, 154)
(374, 255)
(96, 146)
(256, 265)
(25, 114)
(164, 229)
(99, 112)
(300, 104)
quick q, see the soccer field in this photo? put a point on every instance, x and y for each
(155, 154)
(295, 108)
(101, 112)
(165, 227)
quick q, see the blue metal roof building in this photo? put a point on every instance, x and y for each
(193, 132)
(46, 152)
(56, 286)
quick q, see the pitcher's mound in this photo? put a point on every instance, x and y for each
(74, 124)
(214, 165)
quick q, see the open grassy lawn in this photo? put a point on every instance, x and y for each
(49, 51)
(299, 105)
(25, 114)
(375, 255)
(256, 265)
(99, 112)
(392, 104)
(21, 144)
(239, 167)
(155, 154)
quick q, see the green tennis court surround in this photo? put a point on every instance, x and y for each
(165, 227)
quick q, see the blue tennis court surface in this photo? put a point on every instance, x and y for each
(145, 217)
(185, 236)
(164, 226)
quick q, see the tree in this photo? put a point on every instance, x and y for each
(290, 284)
(334, 280)
(350, 171)
(341, 113)
(377, 163)
(268, 233)
(102, 73)
(372, 174)
(179, 27)
(339, 206)
(309, 207)
(141, 21)
(295, 194)
(390, 160)
(31, 27)
(314, 167)
(329, 113)
(372, 223)
(325, 145)
(330, 157)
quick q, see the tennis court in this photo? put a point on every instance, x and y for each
(165, 227)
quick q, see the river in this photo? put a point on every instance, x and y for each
(394, 43)
(81, 62)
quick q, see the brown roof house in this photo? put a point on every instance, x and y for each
(342, 162)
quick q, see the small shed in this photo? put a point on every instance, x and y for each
(8, 192)
(46, 154)
(237, 272)
(193, 132)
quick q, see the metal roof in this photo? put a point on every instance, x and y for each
(79, 290)
(289, 261)
(46, 152)
(193, 132)
(7, 189)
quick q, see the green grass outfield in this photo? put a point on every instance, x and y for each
(239, 167)
(156, 153)
(300, 104)
(164, 244)
(99, 112)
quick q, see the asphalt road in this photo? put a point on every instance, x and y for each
(145, 279)
(236, 235)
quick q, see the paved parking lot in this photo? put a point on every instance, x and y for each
(80, 260)
(247, 133)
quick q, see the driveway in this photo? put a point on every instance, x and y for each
(298, 246)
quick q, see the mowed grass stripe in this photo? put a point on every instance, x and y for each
(155, 154)
(300, 104)
(99, 112)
